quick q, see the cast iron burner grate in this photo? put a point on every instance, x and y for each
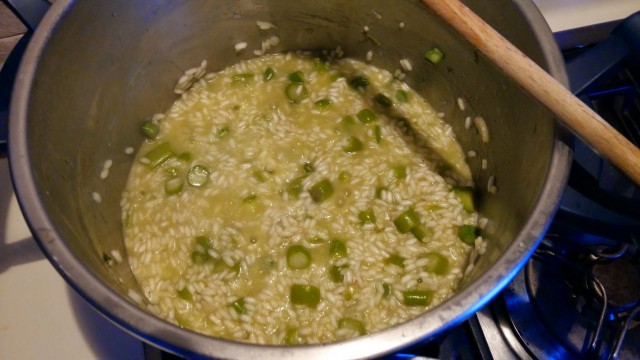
(599, 193)
(600, 199)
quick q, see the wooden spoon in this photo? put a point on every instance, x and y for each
(574, 114)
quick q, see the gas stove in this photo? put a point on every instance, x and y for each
(578, 297)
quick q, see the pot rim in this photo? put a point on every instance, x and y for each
(150, 328)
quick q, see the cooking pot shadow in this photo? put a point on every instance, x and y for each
(18, 252)
(106, 340)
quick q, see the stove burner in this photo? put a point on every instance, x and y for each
(579, 296)
(576, 302)
(621, 281)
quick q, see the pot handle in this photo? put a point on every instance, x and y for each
(30, 12)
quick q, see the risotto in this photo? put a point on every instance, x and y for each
(288, 200)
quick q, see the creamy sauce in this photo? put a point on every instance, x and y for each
(307, 203)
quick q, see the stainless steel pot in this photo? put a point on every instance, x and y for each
(95, 68)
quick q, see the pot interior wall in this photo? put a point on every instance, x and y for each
(111, 64)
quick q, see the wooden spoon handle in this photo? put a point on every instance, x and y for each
(573, 113)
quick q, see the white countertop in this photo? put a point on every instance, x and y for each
(570, 14)
(41, 317)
